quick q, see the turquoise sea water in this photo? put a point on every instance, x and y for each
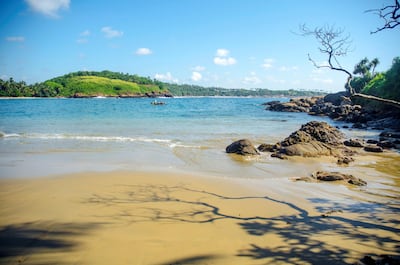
(55, 136)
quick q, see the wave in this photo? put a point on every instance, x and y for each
(96, 138)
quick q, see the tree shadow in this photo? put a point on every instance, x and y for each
(193, 260)
(307, 239)
(19, 242)
(304, 236)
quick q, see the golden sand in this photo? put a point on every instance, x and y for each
(153, 218)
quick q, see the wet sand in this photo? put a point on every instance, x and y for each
(174, 218)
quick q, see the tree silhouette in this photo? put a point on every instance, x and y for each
(390, 14)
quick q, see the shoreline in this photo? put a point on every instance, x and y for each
(128, 217)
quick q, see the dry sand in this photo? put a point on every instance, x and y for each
(153, 218)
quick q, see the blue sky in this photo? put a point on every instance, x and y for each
(225, 43)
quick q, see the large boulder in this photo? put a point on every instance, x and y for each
(308, 149)
(336, 98)
(313, 139)
(315, 131)
(242, 147)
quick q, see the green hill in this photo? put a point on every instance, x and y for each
(92, 86)
(106, 83)
(114, 84)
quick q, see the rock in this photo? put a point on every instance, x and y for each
(354, 143)
(389, 135)
(345, 160)
(294, 105)
(242, 147)
(336, 176)
(315, 131)
(336, 98)
(371, 141)
(307, 149)
(267, 148)
(279, 155)
(386, 144)
(373, 148)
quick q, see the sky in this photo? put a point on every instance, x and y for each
(223, 43)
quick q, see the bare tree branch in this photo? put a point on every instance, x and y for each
(335, 44)
(390, 14)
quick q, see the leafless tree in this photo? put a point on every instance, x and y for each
(390, 14)
(335, 43)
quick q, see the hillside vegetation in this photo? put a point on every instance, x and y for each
(91, 86)
(113, 84)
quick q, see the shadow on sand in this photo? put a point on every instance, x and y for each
(306, 239)
(21, 242)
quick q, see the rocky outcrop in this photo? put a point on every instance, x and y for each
(339, 106)
(354, 143)
(294, 105)
(311, 140)
(242, 147)
(333, 176)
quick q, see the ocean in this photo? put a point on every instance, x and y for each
(42, 137)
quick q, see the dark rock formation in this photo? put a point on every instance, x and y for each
(267, 148)
(354, 143)
(242, 147)
(315, 131)
(313, 139)
(339, 106)
(373, 149)
(335, 176)
(294, 105)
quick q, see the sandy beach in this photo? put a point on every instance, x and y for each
(125, 217)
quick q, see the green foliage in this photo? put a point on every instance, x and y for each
(386, 84)
(107, 83)
(192, 90)
(365, 72)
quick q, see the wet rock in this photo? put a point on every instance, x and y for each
(373, 149)
(354, 143)
(336, 176)
(307, 149)
(242, 147)
(386, 144)
(345, 160)
(371, 141)
(294, 105)
(267, 148)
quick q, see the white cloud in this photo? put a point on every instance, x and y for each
(15, 39)
(85, 33)
(252, 79)
(109, 32)
(166, 77)
(222, 52)
(198, 68)
(143, 51)
(48, 7)
(223, 59)
(268, 63)
(196, 76)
